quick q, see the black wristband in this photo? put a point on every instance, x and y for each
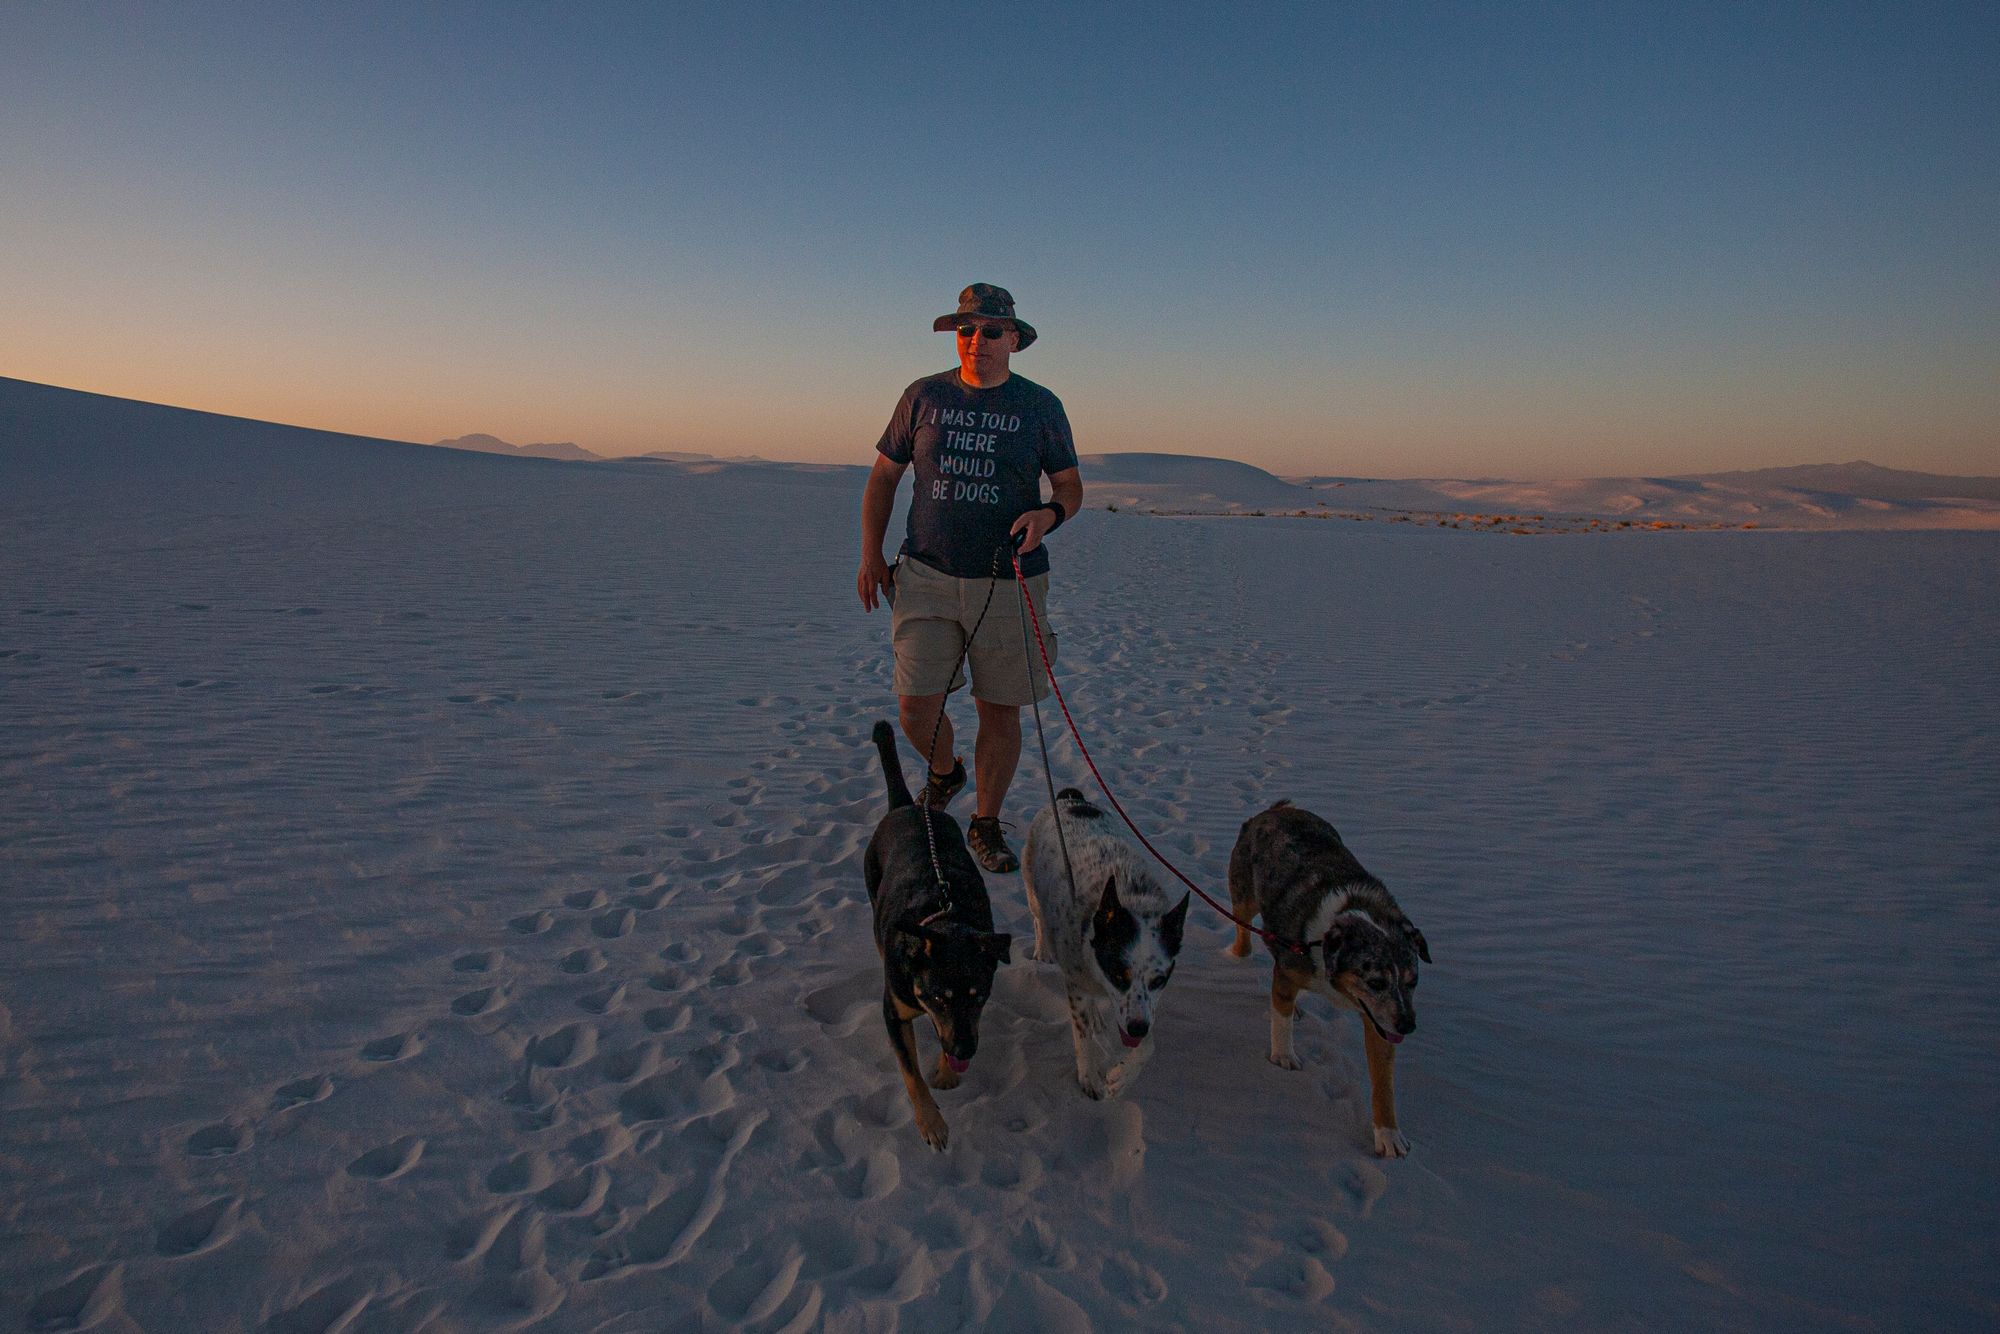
(1061, 513)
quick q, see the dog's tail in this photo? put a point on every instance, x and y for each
(892, 767)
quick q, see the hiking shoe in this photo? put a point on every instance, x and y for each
(939, 789)
(989, 845)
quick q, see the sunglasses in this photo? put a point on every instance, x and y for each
(989, 330)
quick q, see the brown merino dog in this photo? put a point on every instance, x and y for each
(1290, 866)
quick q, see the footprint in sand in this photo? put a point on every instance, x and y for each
(570, 1045)
(840, 1007)
(586, 900)
(523, 1172)
(668, 1018)
(1134, 1280)
(629, 1063)
(298, 1093)
(219, 1140)
(650, 899)
(517, 1289)
(1036, 1243)
(731, 974)
(1020, 1173)
(1365, 1183)
(1301, 1277)
(762, 1287)
(580, 1193)
(874, 1175)
(470, 1238)
(665, 1233)
(1320, 1239)
(483, 1001)
(532, 923)
(670, 979)
(614, 924)
(580, 961)
(388, 1161)
(201, 1229)
(672, 1096)
(608, 1141)
(84, 1299)
(480, 961)
(604, 1001)
(329, 1310)
(395, 1047)
(531, 1092)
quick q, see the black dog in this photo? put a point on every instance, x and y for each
(939, 950)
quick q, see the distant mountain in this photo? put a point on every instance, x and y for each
(490, 444)
(1819, 496)
(1186, 482)
(70, 430)
(684, 456)
(1860, 479)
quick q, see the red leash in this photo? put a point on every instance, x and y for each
(1269, 938)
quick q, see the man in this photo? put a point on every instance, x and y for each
(981, 438)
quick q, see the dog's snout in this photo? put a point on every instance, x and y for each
(1406, 1024)
(1138, 1028)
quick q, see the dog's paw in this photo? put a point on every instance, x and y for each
(1284, 1060)
(1389, 1143)
(1092, 1086)
(1237, 949)
(943, 1076)
(930, 1124)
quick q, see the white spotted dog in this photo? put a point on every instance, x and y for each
(1111, 932)
(1291, 866)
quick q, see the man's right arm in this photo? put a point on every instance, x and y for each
(878, 498)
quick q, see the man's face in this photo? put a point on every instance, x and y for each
(982, 355)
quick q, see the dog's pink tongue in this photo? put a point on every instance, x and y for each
(958, 1067)
(1393, 1037)
(1128, 1039)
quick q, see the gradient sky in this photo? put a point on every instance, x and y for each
(1373, 239)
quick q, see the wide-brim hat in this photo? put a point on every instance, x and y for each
(984, 301)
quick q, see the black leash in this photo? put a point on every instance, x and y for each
(937, 727)
(1041, 736)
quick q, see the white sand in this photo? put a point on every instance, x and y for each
(434, 901)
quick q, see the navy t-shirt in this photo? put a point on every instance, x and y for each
(979, 455)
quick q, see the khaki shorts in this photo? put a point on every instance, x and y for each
(931, 613)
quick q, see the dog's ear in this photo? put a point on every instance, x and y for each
(1112, 921)
(1173, 925)
(999, 945)
(1417, 940)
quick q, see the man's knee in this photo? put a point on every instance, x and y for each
(918, 709)
(1000, 719)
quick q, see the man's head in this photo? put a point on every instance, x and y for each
(988, 332)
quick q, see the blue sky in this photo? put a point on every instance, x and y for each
(1388, 240)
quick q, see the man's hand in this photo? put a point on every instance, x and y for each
(873, 581)
(1036, 524)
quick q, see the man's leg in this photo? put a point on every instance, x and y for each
(996, 753)
(920, 714)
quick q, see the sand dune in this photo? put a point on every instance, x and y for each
(434, 903)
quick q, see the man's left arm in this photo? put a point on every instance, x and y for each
(1067, 491)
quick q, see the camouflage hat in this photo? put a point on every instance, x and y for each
(986, 302)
